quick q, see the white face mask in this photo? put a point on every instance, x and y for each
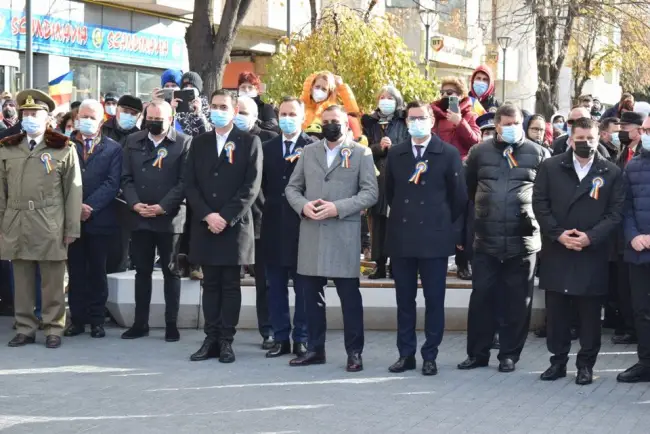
(319, 95)
(248, 93)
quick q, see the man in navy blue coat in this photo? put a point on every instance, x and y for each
(101, 166)
(280, 228)
(426, 193)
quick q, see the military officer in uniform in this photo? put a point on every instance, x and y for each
(40, 209)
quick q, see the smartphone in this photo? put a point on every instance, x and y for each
(186, 96)
(453, 104)
(168, 94)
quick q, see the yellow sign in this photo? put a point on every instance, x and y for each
(492, 57)
(437, 43)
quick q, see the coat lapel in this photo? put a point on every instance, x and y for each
(232, 137)
(321, 156)
(338, 160)
(597, 169)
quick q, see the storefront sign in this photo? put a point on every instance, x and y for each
(74, 39)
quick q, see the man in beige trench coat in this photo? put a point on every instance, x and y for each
(40, 215)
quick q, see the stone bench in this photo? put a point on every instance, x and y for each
(378, 300)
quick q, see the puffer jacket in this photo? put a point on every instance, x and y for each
(505, 224)
(636, 213)
(464, 135)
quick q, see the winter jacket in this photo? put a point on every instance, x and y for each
(487, 100)
(636, 212)
(464, 135)
(611, 112)
(113, 131)
(267, 118)
(505, 225)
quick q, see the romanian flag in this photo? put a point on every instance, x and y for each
(61, 88)
(477, 107)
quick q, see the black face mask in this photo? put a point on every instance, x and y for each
(332, 132)
(9, 112)
(583, 150)
(624, 137)
(444, 104)
(154, 127)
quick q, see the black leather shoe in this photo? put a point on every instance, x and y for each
(268, 343)
(279, 349)
(74, 330)
(196, 273)
(506, 365)
(540, 332)
(464, 274)
(97, 331)
(20, 340)
(209, 350)
(429, 367)
(626, 339)
(403, 364)
(472, 363)
(553, 373)
(585, 376)
(379, 273)
(355, 363)
(136, 332)
(52, 341)
(496, 344)
(171, 332)
(309, 358)
(575, 334)
(226, 354)
(636, 374)
(299, 349)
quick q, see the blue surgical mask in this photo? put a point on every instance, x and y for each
(126, 121)
(645, 141)
(288, 124)
(511, 133)
(420, 128)
(568, 130)
(31, 125)
(480, 87)
(68, 132)
(220, 118)
(387, 106)
(559, 125)
(615, 140)
(88, 127)
(243, 122)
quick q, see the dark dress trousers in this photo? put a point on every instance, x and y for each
(279, 240)
(580, 279)
(101, 171)
(214, 185)
(142, 182)
(421, 235)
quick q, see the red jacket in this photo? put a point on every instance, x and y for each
(464, 135)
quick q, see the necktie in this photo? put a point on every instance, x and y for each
(419, 149)
(32, 145)
(287, 148)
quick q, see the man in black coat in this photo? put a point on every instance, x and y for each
(152, 182)
(224, 174)
(561, 144)
(246, 120)
(500, 176)
(279, 235)
(426, 193)
(578, 200)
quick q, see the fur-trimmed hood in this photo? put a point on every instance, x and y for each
(52, 139)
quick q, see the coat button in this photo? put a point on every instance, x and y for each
(83, 170)
(284, 177)
(406, 201)
(421, 202)
(282, 195)
(423, 182)
(144, 169)
(403, 220)
(566, 290)
(421, 223)
(214, 194)
(216, 174)
(142, 186)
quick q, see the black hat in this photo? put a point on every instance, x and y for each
(194, 79)
(130, 102)
(635, 118)
(486, 121)
(110, 96)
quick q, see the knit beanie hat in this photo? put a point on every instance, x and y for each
(171, 76)
(194, 79)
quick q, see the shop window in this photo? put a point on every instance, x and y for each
(84, 82)
(119, 80)
(148, 80)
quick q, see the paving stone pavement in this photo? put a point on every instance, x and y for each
(149, 386)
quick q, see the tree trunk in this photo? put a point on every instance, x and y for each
(314, 14)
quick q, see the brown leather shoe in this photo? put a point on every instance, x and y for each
(52, 341)
(20, 340)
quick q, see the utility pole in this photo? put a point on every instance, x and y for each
(29, 55)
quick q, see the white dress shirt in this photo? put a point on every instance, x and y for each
(221, 140)
(331, 153)
(38, 139)
(424, 147)
(293, 143)
(156, 143)
(582, 171)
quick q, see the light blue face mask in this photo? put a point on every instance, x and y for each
(615, 140)
(68, 132)
(559, 125)
(480, 87)
(243, 122)
(420, 128)
(568, 130)
(645, 141)
(31, 125)
(126, 121)
(288, 124)
(220, 118)
(512, 133)
(387, 106)
(88, 127)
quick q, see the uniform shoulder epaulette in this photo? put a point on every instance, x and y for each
(13, 140)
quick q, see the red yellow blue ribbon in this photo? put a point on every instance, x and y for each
(162, 153)
(230, 152)
(293, 157)
(420, 168)
(46, 158)
(596, 184)
(507, 154)
(345, 157)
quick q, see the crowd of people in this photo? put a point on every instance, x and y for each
(204, 186)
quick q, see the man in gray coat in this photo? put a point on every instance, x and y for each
(332, 183)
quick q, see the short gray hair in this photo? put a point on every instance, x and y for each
(392, 90)
(249, 103)
(163, 106)
(93, 105)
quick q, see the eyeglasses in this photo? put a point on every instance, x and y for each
(448, 92)
(417, 118)
(646, 130)
(537, 130)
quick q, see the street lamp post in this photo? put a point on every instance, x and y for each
(29, 56)
(427, 16)
(504, 42)
(289, 20)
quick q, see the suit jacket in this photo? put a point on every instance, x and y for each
(331, 248)
(142, 182)
(213, 185)
(258, 205)
(100, 174)
(280, 225)
(561, 202)
(422, 216)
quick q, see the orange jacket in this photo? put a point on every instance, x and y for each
(314, 110)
